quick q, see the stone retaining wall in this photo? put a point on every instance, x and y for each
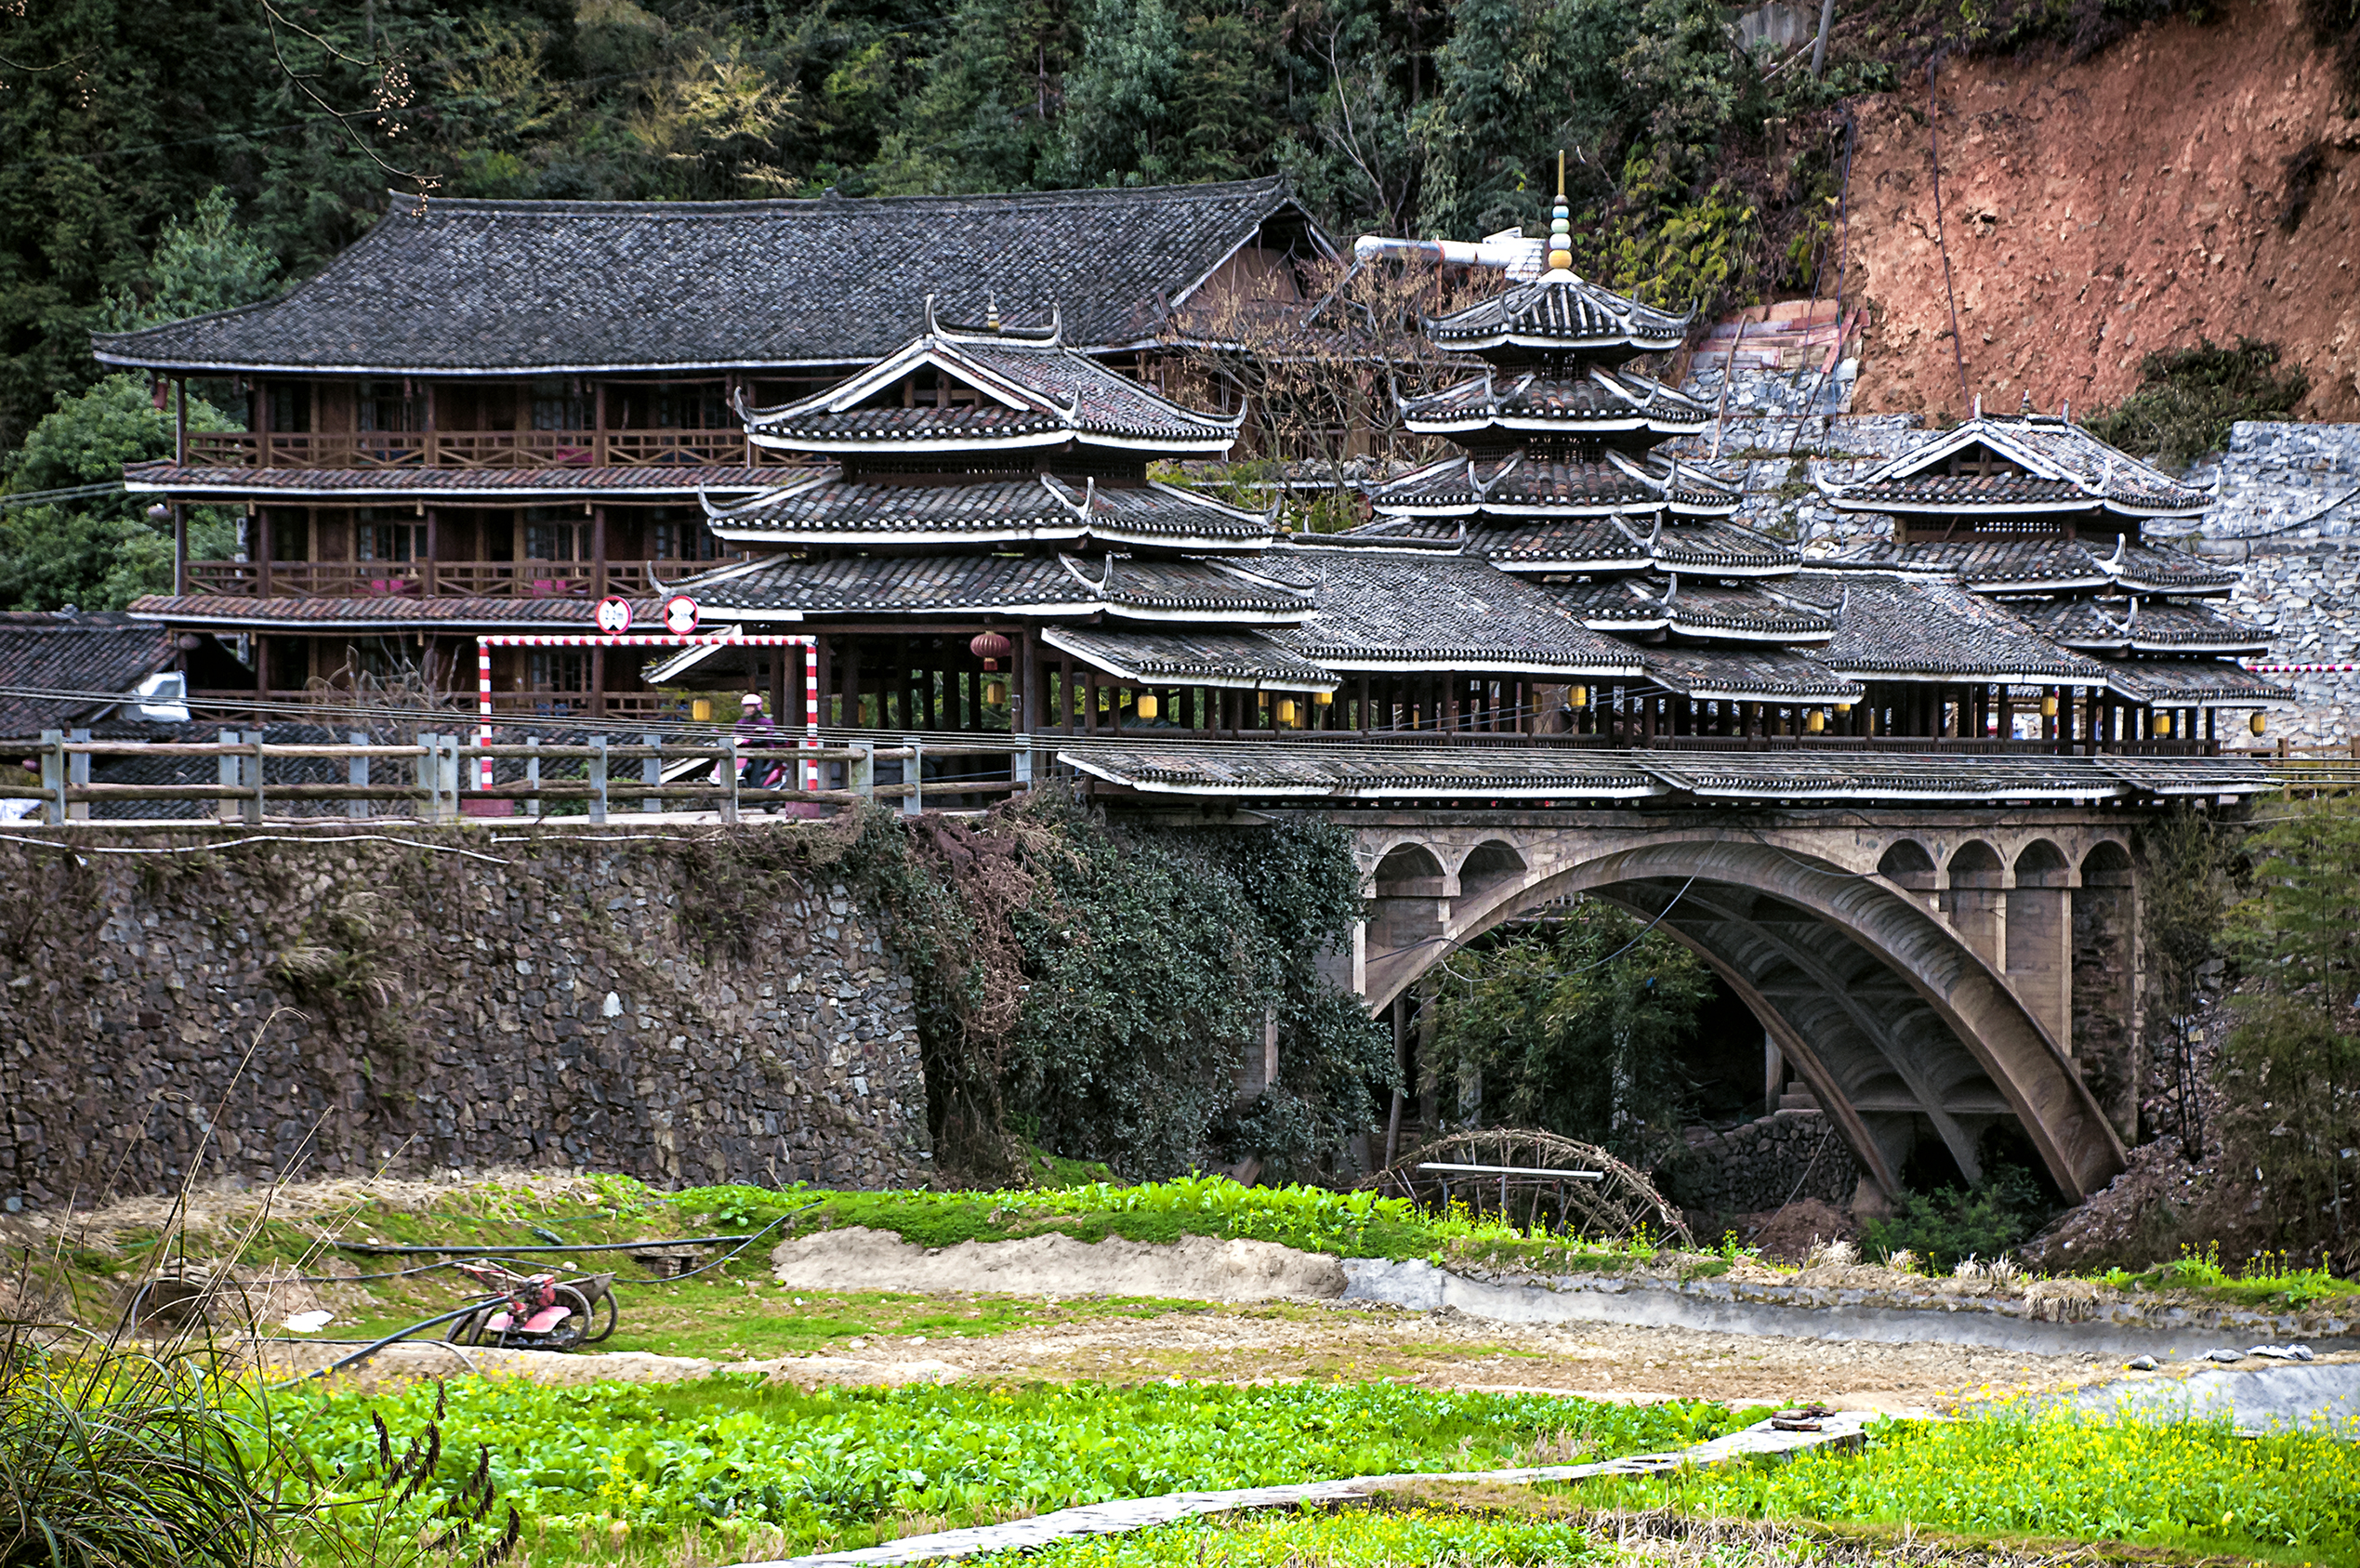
(1777, 1159)
(564, 1002)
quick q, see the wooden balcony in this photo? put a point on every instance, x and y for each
(475, 449)
(443, 579)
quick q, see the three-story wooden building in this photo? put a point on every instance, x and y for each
(485, 416)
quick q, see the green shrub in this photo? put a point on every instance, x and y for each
(2188, 398)
(1949, 1226)
(113, 1459)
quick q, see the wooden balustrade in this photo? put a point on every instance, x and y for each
(455, 579)
(474, 449)
(443, 776)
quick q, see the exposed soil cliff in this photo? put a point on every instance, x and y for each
(2189, 181)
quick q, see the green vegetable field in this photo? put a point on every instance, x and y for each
(2195, 1485)
(732, 1458)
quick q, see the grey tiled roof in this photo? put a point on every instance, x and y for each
(1745, 675)
(1052, 392)
(1534, 482)
(2118, 624)
(832, 509)
(2192, 683)
(477, 486)
(1872, 773)
(1235, 659)
(1386, 611)
(955, 583)
(1689, 606)
(1601, 400)
(1561, 311)
(1574, 543)
(2064, 464)
(2048, 562)
(1476, 776)
(99, 651)
(1709, 546)
(1930, 629)
(385, 612)
(1288, 768)
(458, 285)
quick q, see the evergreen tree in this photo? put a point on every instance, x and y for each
(1575, 1031)
(206, 264)
(96, 552)
(2294, 1058)
(1168, 93)
(987, 115)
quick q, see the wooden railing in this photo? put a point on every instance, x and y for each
(443, 777)
(422, 579)
(475, 449)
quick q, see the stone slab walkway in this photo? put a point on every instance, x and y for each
(1144, 1514)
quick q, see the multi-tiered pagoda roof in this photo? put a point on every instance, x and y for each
(2040, 520)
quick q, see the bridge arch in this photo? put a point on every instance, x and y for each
(1904, 1018)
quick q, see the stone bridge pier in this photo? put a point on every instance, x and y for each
(1927, 972)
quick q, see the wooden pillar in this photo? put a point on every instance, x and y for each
(433, 551)
(598, 558)
(598, 681)
(854, 717)
(1024, 692)
(259, 541)
(1065, 695)
(779, 714)
(597, 432)
(179, 550)
(1089, 701)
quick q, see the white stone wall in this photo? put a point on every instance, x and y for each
(2289, 515)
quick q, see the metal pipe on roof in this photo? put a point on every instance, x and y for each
(1507, 250)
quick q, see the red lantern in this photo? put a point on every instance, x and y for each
(990, 646)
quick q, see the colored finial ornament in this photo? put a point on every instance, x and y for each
(1560, 227)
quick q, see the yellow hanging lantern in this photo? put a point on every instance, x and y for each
(2048, 705)
(1261, 699)
(995, 693)
(1147, 706)
(701, 709)
(1843, 707)
(1816, 722)
(1579, 697)
(2258, 723)
(1286, 710)
(2163, 726)
(1324, 699)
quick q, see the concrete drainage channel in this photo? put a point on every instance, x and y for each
(1772, 1437)
(1803, 1311)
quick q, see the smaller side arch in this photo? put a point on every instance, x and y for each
(1905, 863)
(1409, 871)
(2041, 864)
(1976, 865)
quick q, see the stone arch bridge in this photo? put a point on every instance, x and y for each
(1927, 973)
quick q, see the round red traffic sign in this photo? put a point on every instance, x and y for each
(614, 616)
(680, 615)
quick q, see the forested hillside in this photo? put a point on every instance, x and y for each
(1693, 157)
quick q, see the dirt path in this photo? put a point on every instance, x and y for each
(1449, 1349)
(1281, 1343)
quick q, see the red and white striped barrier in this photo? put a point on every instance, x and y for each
(2302, 669)
(810, 644)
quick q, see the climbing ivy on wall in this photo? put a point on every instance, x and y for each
(1096, 989)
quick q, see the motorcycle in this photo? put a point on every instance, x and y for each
(536, 1311)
